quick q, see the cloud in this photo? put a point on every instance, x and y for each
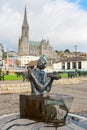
(9, 29)
(63, 22)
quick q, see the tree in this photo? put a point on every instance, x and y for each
(18, 62)
(67, 50)
(4, 57)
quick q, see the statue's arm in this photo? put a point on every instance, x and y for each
(39, 85)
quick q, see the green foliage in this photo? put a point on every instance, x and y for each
(12, 77)
(67, 50)
(64, 75)
(58, 52)
(4, 57)
(15, 77)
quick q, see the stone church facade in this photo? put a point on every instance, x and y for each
(27, 47)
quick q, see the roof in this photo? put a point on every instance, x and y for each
(32, 63)
(35, 43)
(25, 17)
(78, 58)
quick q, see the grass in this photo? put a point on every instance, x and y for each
(15, 77)
(12, 77)
(64, 75)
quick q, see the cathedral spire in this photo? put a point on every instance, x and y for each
(25, 26)
(25, 17)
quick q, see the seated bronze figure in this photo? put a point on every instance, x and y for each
(41, 82)
(40, 105)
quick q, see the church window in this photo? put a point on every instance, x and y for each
(25, 33)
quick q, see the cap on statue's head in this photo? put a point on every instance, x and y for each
(42, 62)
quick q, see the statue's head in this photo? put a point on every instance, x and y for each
(42, 62)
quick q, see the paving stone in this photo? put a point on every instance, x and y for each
(9, 103)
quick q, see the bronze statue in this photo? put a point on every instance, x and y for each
(40, 105)
(41, 82)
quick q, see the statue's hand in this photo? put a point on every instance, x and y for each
(54, 75)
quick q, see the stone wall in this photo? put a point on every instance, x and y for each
(24, 87)
(14, 88)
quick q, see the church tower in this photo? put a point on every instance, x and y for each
(23, 46)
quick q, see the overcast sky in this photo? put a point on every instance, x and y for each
(62, 22)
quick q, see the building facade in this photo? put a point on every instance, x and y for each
(72, 63)
(27, 59)
(28, 47)
(1, 51)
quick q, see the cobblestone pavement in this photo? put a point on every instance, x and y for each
(79, 92)
(9, 103)
(13, 122)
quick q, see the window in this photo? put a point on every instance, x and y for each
(79, 65)
(74, 65)
(68, 65)
(63, 65)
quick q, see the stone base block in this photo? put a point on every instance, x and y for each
(48, 108)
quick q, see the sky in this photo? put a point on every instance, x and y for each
(62, 22)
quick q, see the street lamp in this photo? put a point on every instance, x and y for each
(76, 60)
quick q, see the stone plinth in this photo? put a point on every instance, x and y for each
(48, 108)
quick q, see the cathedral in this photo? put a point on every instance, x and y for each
(28, 47)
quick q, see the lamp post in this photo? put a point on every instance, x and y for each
(76, 60)
(7, 65)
